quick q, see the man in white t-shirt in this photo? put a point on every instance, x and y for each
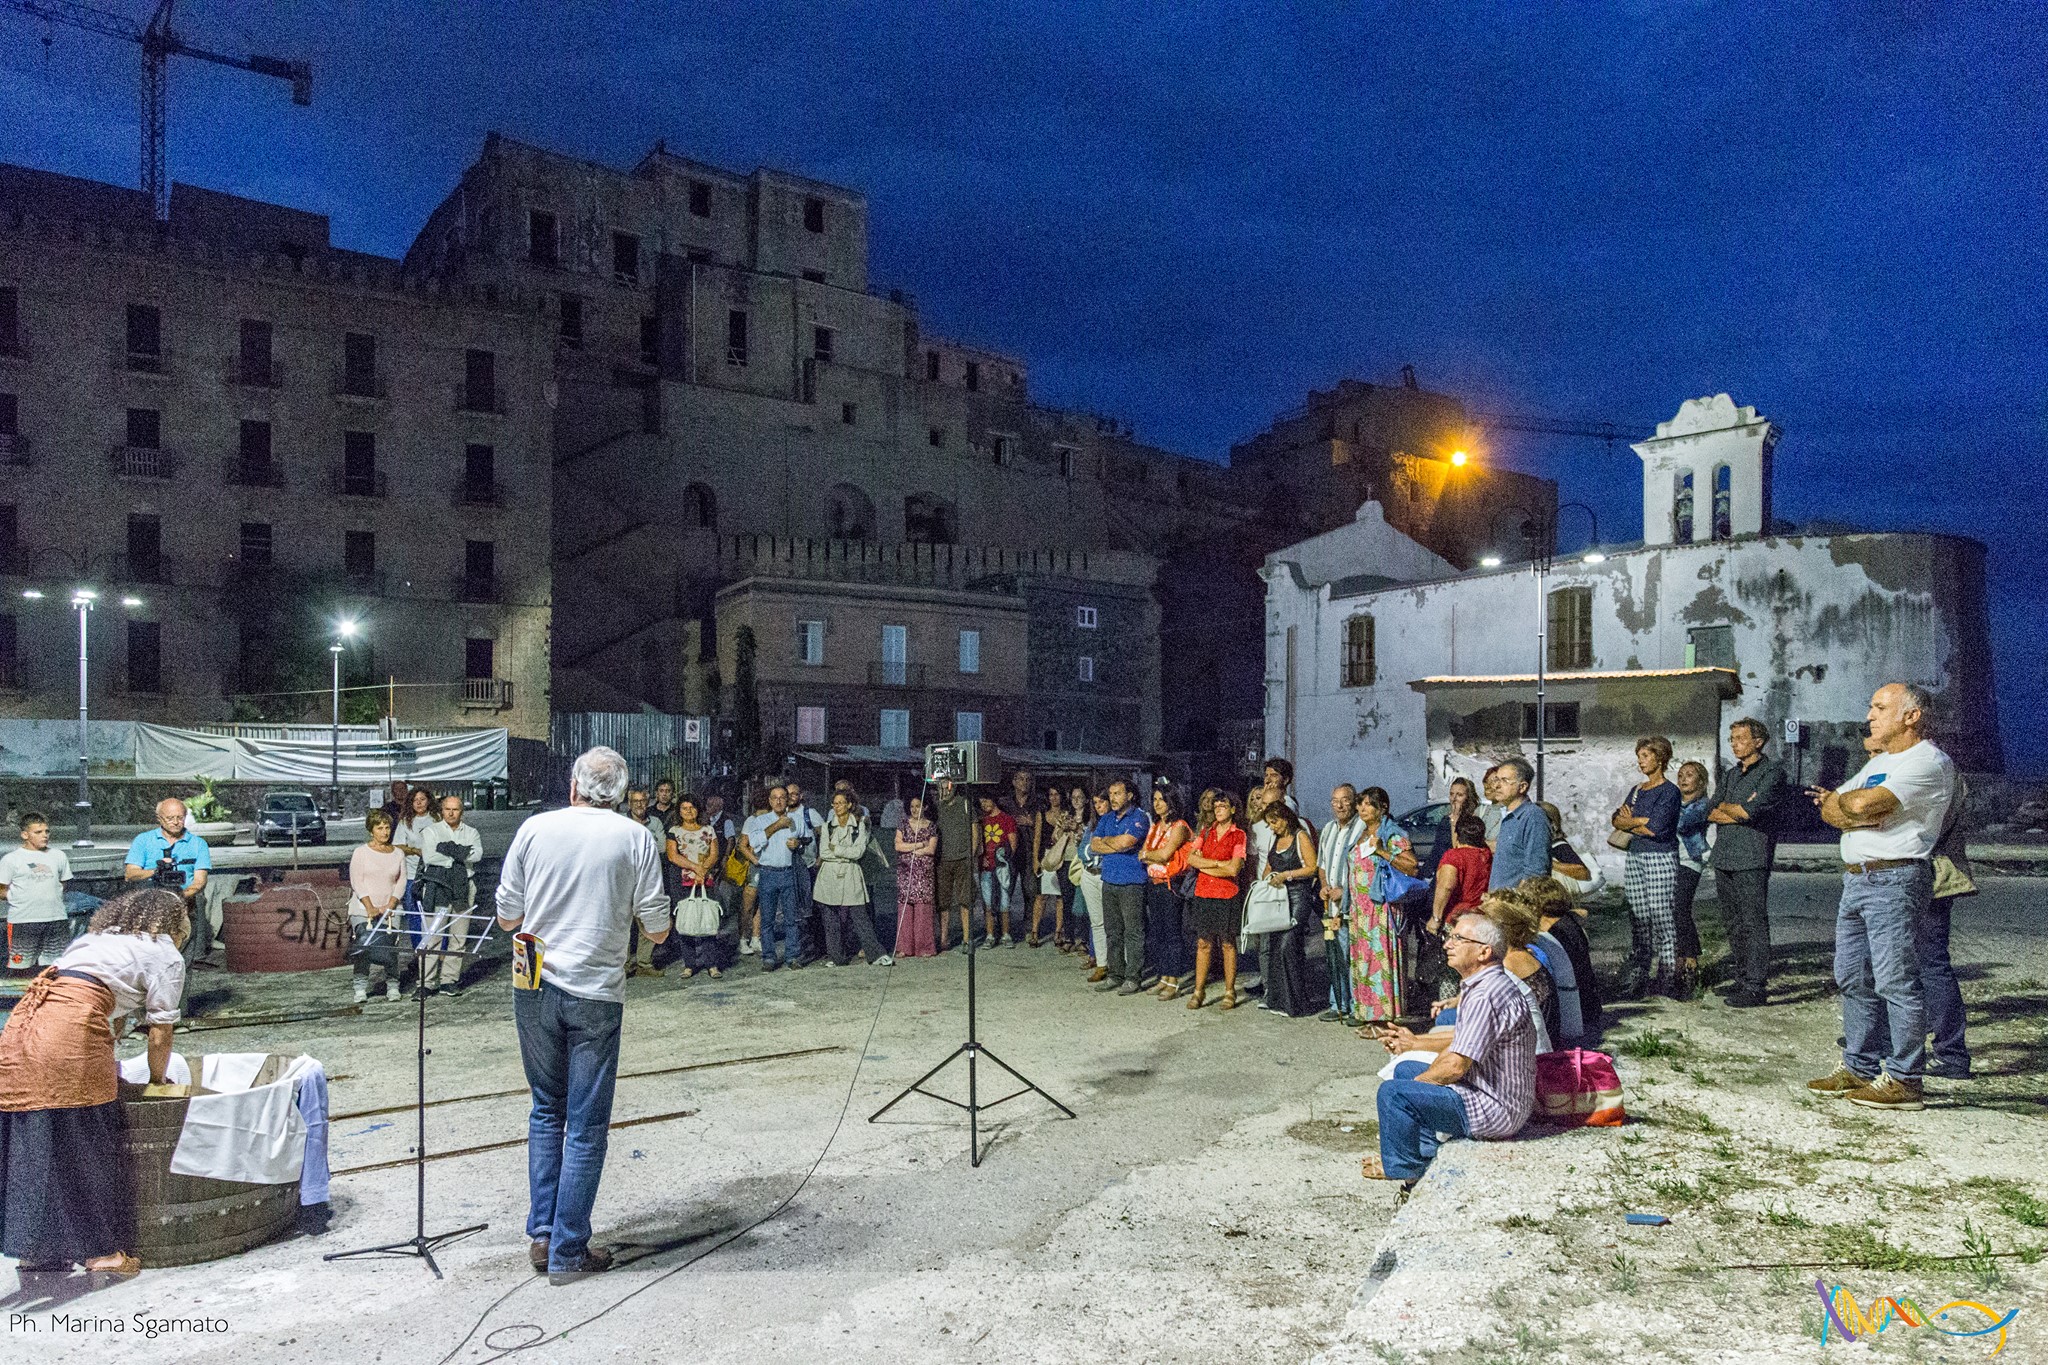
(32, 879)
(576, 879)
(1891, 815)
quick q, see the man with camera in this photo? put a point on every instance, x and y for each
(176, 859)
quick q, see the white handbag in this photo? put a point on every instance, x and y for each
(697, 914)
(1267, 909)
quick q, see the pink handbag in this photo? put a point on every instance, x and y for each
(1576, 1088)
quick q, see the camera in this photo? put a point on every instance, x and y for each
(967, 762)
(167, 875)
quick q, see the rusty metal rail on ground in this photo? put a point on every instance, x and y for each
(495, 1146)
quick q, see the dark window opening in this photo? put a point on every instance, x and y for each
(145, 548)
(10, 658)
(256, 545)
(359, 556)
(479, 569)
(10, 415)
(145, 428)
(359, 364)
(1681, 508)
(650, 338)
(570, 330)
(928, 520)
(700, 507)
(1571, 628)
(700, 199)
(145, 657)
(931, 365)
(540, 237)
(815, 276)
(973, 376)
(479, 658)
(936, 436)
(480, 381)
(10, 539)
(255, 367)
(1724, 503)
(10, 321)
(359, 463)
(625, 258)
(253, 453)
(1560, 720)
(1360, 665)
(1712, 646)
(814, 215)
(847, 412)
(821, 344)
(145, 337)
(736, 337)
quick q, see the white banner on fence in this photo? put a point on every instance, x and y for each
(163, 751)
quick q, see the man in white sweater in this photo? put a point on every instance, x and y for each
(576, 879)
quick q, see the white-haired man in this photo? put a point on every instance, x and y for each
(576, 879)
(1891, 814)
(1484, 1084)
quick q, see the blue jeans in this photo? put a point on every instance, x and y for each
(995, 896)
(569, 1048)
(1938, 982)
(776, 901)
(1412, 1113)
(1877, 967)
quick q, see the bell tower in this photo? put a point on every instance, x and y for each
(1707, 473)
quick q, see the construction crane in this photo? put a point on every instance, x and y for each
(1551, 426)
(159, 44)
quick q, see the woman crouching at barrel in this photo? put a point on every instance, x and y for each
(65, 1191)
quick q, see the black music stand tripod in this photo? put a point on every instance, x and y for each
(973, 1051)
(422, 1243)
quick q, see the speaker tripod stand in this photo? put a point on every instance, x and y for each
(973, 1051)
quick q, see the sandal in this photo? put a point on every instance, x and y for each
(1371, 1169)
(1195, 1001)
(714, 973)
(1229, 1000)
(1170, 990)
(121, 1265)
(686, 972)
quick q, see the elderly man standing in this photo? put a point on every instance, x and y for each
(777, 849)
(576, 879)
(448, 865)
(1484, 1086)
(1522, 846)
(1333, 862)
(1891, 814)
(1744, 809)
(189, 862)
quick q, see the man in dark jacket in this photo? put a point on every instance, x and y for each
(1745, 808)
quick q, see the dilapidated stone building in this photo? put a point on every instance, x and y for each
(1388, 666)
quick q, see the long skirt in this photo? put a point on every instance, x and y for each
(65, 1190)
(1651, 882)
(1290, 985)
(1166, 938)
(914, 928)
(1375, 960)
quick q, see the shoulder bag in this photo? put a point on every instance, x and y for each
(1267, 909)
(697, 914)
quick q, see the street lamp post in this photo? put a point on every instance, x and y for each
(1540, 533)
(82, 600)
(344, 630)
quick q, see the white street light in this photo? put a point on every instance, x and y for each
(32, 594)
(1595, 557)
(1489, 561)
(344, 629)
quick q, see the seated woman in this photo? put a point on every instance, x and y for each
(1563, 924)
(65, 1191)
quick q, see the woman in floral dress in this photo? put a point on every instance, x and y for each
(1376, 973)
(917, 843)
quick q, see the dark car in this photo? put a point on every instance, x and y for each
(283, 813)
(1420, 827)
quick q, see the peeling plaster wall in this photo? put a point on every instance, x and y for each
(1817, 623)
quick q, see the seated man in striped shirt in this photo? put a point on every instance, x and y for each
(1485, 1085)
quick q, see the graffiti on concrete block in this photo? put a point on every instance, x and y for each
(312, 925)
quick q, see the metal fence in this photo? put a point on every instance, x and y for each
(654, 745)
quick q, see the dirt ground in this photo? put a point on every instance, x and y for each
(1203, 1203)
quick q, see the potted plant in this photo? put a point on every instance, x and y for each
(207, 816)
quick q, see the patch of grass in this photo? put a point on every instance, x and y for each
(1782, 1280)
(1521, 1220)
(1782, 1216)
(1982, 1266)
(1859, 1245)
(1532, 1346)
(2015, 1201)
(1713, 1186)
(1656, 1043)
(1685, 1119)
(1624, 1275)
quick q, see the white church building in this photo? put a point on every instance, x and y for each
(1387, 666)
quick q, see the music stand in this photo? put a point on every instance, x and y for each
(973, 1050)
(422, 1243)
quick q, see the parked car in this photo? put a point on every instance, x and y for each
(283, 812)
(1420, 827)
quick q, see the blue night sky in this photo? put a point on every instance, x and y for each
(1189, 215)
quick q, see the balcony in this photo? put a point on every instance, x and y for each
(145, 362)
(243, 473)
(470, 587)
(478, 398)
(359, 385)
(13, 449)
(145, 462)
(486, 694)
(150, 569)
(365, 582)
(478, 493)
(358, 483)
(267, 375)
(894, 673)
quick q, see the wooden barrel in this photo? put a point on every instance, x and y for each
(292, 927)
(185, 1219)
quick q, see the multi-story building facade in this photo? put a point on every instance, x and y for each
(251, 435)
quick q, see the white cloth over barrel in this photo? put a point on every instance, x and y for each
(256, 1136)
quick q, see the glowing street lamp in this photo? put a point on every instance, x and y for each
(1459, 459)
(1489, 561)
(344, 630)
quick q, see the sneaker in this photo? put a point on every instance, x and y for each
(1129, 988)
(1114, 983)
(1742, 998)
(749, 947)
(885, 960)
(1841, 1081)
(362, 991)
(391, 991)
(1099, 974)
(1888, 1092)
(1950, 1071)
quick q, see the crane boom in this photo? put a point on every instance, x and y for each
(159, 43)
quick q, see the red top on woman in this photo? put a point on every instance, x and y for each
(1475, 869)
(1219, 846)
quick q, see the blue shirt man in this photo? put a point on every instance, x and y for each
(1124, 869)
(1522, 848)
(187, 850)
